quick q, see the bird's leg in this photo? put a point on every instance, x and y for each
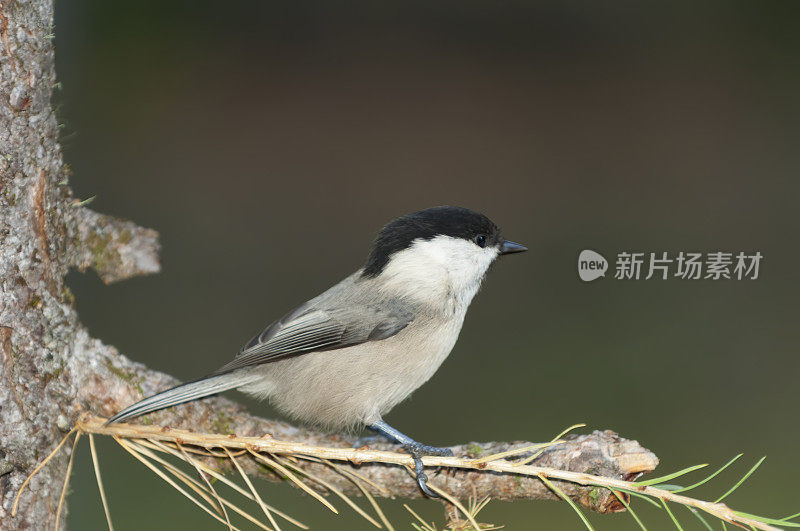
(416, 449)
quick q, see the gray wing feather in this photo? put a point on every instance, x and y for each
(309, 329)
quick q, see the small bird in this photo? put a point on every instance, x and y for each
(345, 358)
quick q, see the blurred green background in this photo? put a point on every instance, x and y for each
(271, 140)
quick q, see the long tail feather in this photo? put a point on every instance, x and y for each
(203, 387)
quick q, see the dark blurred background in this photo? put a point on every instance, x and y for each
(271, 140)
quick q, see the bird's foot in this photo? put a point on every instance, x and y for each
(417, 451)
(424, 449)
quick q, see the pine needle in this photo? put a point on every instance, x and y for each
(679, 473)
(205, 452)
(245, 514)
(178, 451)
(641, 496)
(172, 483)
(211, 488)
(38, 468)
(340, 468)
(179, 474)
(766, 520)
(709, 478)
(425, 525)
(374, 504)
(283, 470)
(96, 465)
(225, 502)
(791, 517)
(247, 481)
(567, 499)
(508, 453)
(476, 507)
(66, 479)
(672, 516)
(447, 496)
(554, 440)
(356, 479)
(204, 493)
(629, 509)
(738, 483)
(332, 489)
(700, 517)
(220, 477)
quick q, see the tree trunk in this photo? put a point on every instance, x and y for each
(44, 351)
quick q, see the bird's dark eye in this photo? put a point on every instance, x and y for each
(480, 239)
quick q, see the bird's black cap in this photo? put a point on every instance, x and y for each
(426, 224)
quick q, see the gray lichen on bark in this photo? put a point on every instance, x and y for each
(51, 370)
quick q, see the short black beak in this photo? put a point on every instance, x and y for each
(508, 247)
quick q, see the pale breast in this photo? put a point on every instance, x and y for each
(357, 385)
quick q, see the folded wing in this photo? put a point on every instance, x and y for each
(315, 329)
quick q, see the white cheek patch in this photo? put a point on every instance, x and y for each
(440, 268)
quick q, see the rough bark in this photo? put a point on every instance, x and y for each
(44, 351)
(51, 370)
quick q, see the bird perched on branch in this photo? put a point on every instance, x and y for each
(346, 357)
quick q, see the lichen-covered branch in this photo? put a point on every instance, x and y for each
(604, 453)
(115, 248)
(573, 468)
